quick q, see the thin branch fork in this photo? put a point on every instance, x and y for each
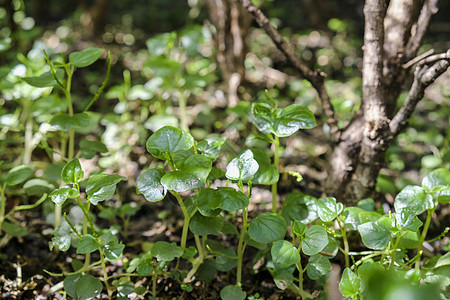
(316, 78)
(423, 76)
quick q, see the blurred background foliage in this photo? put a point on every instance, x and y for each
(164, 58)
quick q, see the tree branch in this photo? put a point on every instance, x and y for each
(429, 8)
(316, 78)
(373, 88)
(423, 76)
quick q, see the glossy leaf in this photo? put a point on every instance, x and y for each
(70, 284)
(202, 200)
(85, 57)
(65, 122)
(415, 198)
(282, 122)
(376, 235)
(210, 147)
(164, 251)
(189, 252)
(72, 172)
(88, 287)
(408, 220)
(267, 173)
(350, 283)
(318, 266)
(328, 209)
(168, 140)
(299, 229)
(202, 226)
(301, 207)
(232, 292)
(315, 240)
(283, 252)
(228, 198)
(438, 182)
(87, 244)
(192, 174)
(111, 246)
(355, 216)
(61, 237)
(101, 187)
(60, 195)
(45, 80)
(242, 167)
(267, 228)
(149, 185)
(18, 174)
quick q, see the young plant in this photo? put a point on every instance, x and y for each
(99, 187)
(61, 74)
(274, 123)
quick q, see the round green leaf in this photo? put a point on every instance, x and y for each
(210, 147)
(192, 174)
(437, 177)
(408, 220)
(376, 235)
(37, 187)
(72, 172)
(283, 252)
(202, 199)
(168, 140)
(18, 174)
(88, 287)
(228, 198)
(189, 252)
(85, 57)
(242, 167)
(232, 292)
(299, 228)
(70, 284)
(65, 122)
(164, 251)
(14, 229)
(267, 228)
(202, 226)
(61, 237)
(350, 283)
(316, 239)
(293, 118)
(88, 149)
(101, 187)
(415, 198)
(318, 266)
(267, 173)
(87, 244)
(60, 195)
(328, 209)
(149, 184)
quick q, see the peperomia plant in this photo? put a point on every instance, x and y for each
(274, 122)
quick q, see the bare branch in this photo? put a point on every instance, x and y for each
(316, 78)
(400, 17)
(429, 8)
(423, 77)
(373, 105)
(417, 59)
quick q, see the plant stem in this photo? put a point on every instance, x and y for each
(397, 241)
(183, 113)
(2, 205)
(276, 158)
(198, 261)
(154, 285)
(70, 107)
(105, 273)
(241, 245)
(424, 234)
(346, 247)
(300, 273)
(187, 218)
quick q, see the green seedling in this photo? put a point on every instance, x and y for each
(273, 123)
(99, 188)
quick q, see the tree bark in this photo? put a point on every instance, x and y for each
(231, 24)
(392, 37)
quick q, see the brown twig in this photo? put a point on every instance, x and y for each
(423, 77)
(429, 8)
(417, 59)
(316, 78)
